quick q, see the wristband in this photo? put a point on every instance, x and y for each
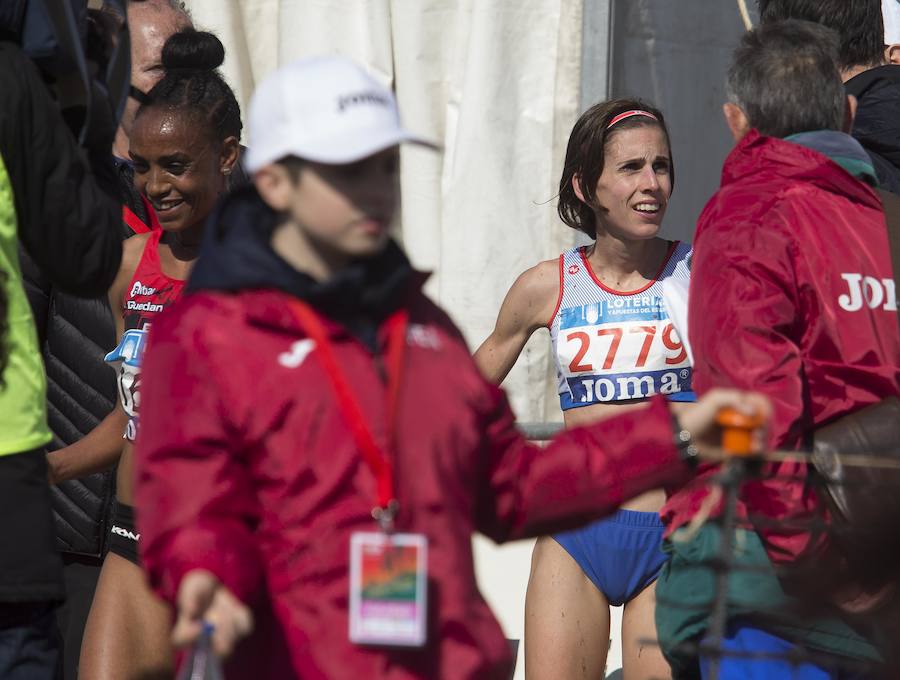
(684, 442)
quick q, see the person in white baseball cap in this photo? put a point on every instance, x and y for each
(326, 110)
(325, 119)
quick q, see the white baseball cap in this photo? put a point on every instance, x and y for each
(323, 109)
(890, 9)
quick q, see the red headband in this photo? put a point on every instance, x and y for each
(628, 114)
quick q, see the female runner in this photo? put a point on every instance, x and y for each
(184, 144)
(614, 346)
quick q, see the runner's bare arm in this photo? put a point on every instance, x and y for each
(101, 448)
(529, 305)
(97, 451)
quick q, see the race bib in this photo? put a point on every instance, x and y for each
(388, 589)
(626, 348)
(128, 355)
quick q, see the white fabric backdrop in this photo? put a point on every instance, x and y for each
(496, 83)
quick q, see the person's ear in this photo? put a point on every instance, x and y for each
(849, 113)
(228, 157)
(892, 54)
(576, 187)
(274, 186)
(736, 120)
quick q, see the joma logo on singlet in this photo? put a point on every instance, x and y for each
(616, 388)
(140, 289)
(868, 291)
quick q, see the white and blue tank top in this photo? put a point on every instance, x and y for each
(615, 346)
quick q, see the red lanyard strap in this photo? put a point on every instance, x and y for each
(375, 457)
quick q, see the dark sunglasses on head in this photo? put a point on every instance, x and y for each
(141, 97)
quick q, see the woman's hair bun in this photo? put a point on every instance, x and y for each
(193, 50)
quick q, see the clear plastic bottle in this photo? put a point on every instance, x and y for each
(202, 663)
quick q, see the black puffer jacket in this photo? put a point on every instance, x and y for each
(877, 122)
(75, 334)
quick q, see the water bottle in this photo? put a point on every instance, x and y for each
(202, 663)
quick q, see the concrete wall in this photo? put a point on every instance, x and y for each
(675, 54)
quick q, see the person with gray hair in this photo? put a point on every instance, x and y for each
(792, 294)
(151, 23)
(781, 86)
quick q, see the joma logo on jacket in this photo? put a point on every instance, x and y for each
(870, 291)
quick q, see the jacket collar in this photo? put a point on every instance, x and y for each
(271, 308)
(842, 149)
(860, 84)
(761, 158)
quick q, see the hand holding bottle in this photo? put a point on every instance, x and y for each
(203, 600)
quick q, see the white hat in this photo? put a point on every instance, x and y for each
(890, 9)
(323, 109)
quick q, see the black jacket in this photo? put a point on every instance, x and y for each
(66, 197)
(74, 334)
(877, 122)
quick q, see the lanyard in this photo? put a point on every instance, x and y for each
(378, 461)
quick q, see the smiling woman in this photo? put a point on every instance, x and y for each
(184, 144)
(178, 170)
(615, 346)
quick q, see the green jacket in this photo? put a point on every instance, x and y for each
(685, 590)
(23, 410)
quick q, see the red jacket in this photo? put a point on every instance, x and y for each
(779, 252)
(245, 467)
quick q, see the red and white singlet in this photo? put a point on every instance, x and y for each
(149, 293)
(613, 346)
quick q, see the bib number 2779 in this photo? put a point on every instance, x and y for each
(602, 351)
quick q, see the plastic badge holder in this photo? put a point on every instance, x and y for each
(388, 586)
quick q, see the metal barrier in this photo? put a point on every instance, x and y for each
(540, 432)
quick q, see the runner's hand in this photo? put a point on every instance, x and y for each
(700, 420)
(202, 597)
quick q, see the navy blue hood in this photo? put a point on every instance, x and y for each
(237, 255)
(877, 122)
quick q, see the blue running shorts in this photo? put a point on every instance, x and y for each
(621, 555)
